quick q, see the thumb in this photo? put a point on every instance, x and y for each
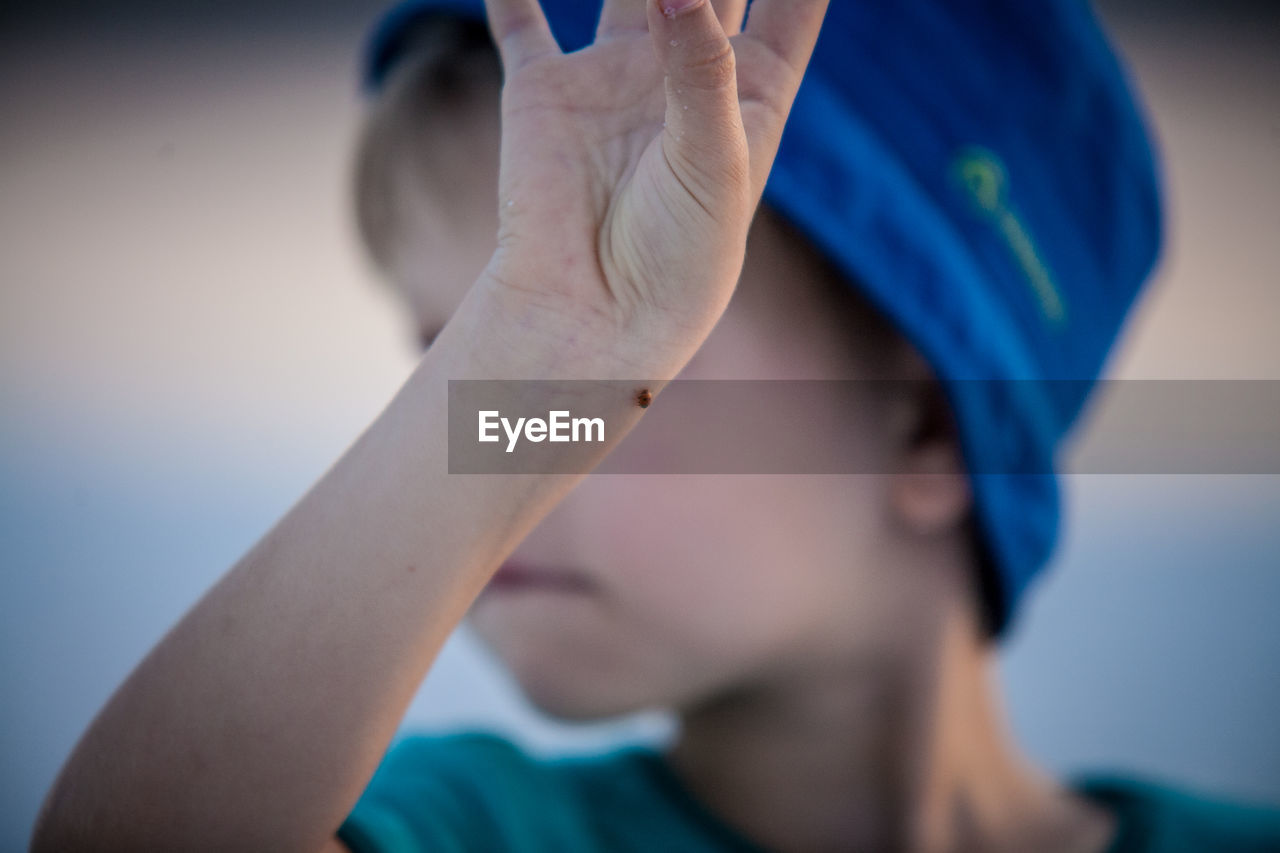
(704, 138)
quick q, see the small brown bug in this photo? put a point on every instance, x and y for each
(644, 398)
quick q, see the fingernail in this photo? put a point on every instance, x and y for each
(671, 8)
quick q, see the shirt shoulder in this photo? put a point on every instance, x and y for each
(1158, 818)
(478, 791)
(469, 791)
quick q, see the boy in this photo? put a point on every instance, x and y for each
(825, 639)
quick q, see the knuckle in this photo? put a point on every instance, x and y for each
(713, 67)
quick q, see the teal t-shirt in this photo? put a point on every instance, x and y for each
(479, 792)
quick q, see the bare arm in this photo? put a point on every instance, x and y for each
(627, 189)
(256, 722)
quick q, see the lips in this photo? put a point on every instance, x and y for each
(518, 576)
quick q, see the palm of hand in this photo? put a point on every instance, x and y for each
(631, 169)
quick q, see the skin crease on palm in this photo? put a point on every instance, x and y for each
(818, 628)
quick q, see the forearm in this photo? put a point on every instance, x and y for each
(259, 718)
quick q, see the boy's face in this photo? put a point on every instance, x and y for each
(687, 586)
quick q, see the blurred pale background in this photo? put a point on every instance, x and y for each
(189, 336)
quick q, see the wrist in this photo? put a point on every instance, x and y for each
(553, 333)
(507, 359)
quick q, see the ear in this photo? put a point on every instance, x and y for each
(929, 494)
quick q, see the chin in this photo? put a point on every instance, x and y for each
(575, 696)
(564, 681)
(572, 708)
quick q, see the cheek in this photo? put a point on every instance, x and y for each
(704, 582)
(730, 572)
(440, 254)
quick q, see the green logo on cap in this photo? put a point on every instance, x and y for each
(984, 179)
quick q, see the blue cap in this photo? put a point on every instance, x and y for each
(981, 171)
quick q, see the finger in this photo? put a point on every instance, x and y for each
(696, 56)
(731, 14)
(788, 28)
(776, 45)
(704, 137)
(628, 17)
(622, 17)
(520, 31)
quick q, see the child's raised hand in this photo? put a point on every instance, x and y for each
(631, 169)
